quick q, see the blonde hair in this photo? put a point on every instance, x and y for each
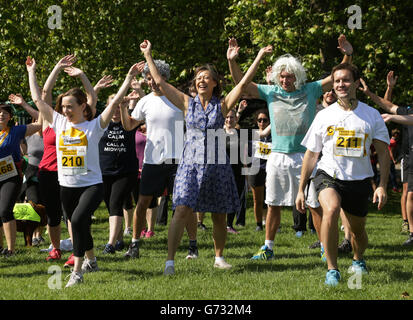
(289, 64)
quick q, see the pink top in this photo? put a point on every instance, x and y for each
(140, 142)
(49, 160)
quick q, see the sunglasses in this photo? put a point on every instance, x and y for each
(262, 120)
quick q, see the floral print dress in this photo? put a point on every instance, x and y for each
(204, 180)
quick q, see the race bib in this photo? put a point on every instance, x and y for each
(73, 152)
(348, 143)
(262, 149)
(7, 168)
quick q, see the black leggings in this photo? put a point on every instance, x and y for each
(117, 189)
(79, 205)
(50, 196)
(9, 192)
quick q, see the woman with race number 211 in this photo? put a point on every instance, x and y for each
(80, 178)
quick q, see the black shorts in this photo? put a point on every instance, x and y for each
(257, 180)
(156, 178)
(354, 194)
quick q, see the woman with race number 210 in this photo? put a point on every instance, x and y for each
(10, 171)
(77, 147)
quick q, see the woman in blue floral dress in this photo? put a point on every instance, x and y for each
(204, 181)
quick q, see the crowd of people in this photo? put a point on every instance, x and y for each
(310, 148)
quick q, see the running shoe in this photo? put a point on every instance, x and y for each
(109, 249)
(70, 262)
(54, 255)
(6, 253)
(133, 251)
(232, 230)
(221, 264)
(143, 233)
(264, 253)
(127, 232)
(169, 271)
(192, 253)
(323, 253)
(408, 242)
(75, 278)
(332, 278)
(299, 234)
(315, 245)
(149, 234)
(345, 246)
(119, 245)
(201, 226)
(258, 228)
(358, 266)
(405, 227)
(89, 265)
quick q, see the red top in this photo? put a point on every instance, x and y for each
(49, 160)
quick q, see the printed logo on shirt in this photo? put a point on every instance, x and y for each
(73, 152)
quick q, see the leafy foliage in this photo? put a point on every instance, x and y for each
(105, 36)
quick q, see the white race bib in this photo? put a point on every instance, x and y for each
(72, 152)
(348, 143)
(262, 149)
(7, 168)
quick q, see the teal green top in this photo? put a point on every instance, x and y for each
(291, 114)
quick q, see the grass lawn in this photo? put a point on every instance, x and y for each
(296, 273)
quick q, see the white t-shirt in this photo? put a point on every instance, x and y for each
(164, 128)
(77, 149)
(344, 138)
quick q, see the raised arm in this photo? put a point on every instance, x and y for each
(18, 100)
(232, 97)
(236, 73)
(346, 49)
(90, 92)
(104, 82)
(65, 62)
(177, 97)
(107, 114)
(388, 106)
(137, 87)
(45, 109)
(391, 82)
(241, 107)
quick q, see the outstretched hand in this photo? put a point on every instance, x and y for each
(134, 70)
(242, 105)
(364, 86)
(146, 46)
(344, 45)
(67, 61)
(266, 50)
(73, 72)
(16, 99)
(233, 49)
(391, 79)
(105, 82)
(30, 64)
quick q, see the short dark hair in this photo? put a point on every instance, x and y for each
(214, 73)
(346, 66)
